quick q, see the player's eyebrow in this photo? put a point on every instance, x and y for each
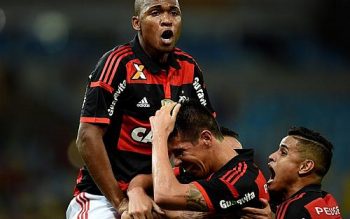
(284, 146)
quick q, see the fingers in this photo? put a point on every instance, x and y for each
(175, 110)
(125, 215)
(157, 209)
(264, 202)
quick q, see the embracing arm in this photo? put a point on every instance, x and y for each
(168, 192)
(257, 213)
(92, 150)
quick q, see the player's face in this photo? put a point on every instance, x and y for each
(191, 157)
(159, 24)
(284, 166)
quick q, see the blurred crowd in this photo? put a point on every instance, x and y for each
(268, 66)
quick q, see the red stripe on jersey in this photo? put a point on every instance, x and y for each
(135, 136)
(282, 209)
(184, 76)
(110, 61)
(205, 196)
(95, 120)
(260, 181)
(180, 52)
(234, 172)
(102, 84)
(116, 67)
(326, 207)
(240, 174)
(232, 189)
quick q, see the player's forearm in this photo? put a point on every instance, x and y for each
(141, 181)
(93, 152)
(164, 180)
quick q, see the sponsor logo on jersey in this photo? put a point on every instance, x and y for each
(143, 103)
(119, 90)
(139, 75)
(183, 99)
(141, 134)
(327, 210)
(200, 93)
(247, 197)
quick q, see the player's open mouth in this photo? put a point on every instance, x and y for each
(272, 177)
(167, 34)
(167, 37)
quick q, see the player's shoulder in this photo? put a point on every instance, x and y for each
(182, 55)
(117, 51)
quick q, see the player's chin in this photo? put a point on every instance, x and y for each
(166, 48)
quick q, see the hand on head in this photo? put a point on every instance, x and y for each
(164, 120)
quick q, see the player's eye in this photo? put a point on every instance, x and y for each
(178, 153)
(155, 13)
(283, 152)
(175, 12)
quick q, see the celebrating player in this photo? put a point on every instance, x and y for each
(229, 179)
(297, 169)
(124, 90)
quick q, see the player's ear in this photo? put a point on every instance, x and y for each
(135, 22)
(306, 167)
(206, 137)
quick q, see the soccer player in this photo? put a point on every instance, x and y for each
(124, 90)
(229, 179)
(141, 186)
(297, 169)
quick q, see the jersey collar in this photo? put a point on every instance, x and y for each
(152, 66)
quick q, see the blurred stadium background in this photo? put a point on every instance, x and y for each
(268, 65)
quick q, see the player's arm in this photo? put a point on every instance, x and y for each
(140, 204)
(92, 150)
(168, 192)
(201, 89)
(257, 213)
(95, 118)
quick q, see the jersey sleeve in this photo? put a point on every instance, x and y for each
(230, 193)
(105, 84)
(296, 212)
(200, 88)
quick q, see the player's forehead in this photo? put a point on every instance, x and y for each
(153, 3)
(289, 142)
(177, 143)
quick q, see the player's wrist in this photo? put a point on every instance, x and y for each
(122, 206)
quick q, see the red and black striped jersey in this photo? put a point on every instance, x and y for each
(238, 184)
(309, 202)
(124, 90)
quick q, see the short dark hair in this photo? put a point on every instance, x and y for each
(137, 7)
(228, 132)
(314, 146)
(192, 119)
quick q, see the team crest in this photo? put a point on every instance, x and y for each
(139, 75)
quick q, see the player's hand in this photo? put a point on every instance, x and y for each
(141, 205)
(123, 206)
(162, 123)
(258, 213)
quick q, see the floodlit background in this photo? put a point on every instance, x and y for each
(268, 65)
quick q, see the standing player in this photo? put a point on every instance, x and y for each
(297, 169)
(124, 90)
